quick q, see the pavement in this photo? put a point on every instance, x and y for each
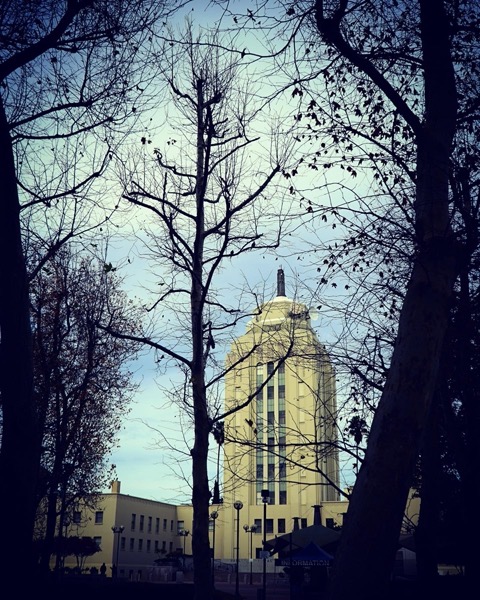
(273, 591)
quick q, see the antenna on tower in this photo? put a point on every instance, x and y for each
(280, 282)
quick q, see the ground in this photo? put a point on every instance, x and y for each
(88, 588)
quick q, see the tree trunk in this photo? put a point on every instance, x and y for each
(427, 531)
(364, 560)
(201, 493)
(200, 500)
(50, 530)
(370, 536)
(19, 456)
(471, 410)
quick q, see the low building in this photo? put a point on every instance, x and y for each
(131, 533)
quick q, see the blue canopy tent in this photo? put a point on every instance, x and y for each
(322, 537)
(310, 556)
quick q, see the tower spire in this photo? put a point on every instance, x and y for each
(280, 282)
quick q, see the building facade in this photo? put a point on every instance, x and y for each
(131, 533)
(281, 439)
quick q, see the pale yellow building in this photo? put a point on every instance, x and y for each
(282, 438)
(131, 533)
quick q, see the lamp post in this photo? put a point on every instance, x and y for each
(213, 516)
(250, 529)
(265, 497)
(117, 531)
(184, 533)
(237, 505)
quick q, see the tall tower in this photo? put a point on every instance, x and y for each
(282, 380)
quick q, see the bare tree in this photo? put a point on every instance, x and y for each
(208, 204)
(82, 379)
(69, 72)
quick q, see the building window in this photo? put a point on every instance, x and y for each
(99, 517)
(259, 411)
(132, 544)
(164, 524)
(134, 520)
(149, 526)
(330, 523)
(142, 522)
(77, 517)
(157, 548)
(170, 547)
(258, 525)
(98, 540)
(171, 525)
(164, 546)
(157, 525)
(271, 472)
(123, 542)
(281, 381)
(282, 497)
(140, 545)
(281, 525)
(180, 526)
(269, 526)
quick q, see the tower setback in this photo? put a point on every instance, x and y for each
(283, 437)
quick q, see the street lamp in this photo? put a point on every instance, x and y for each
(237, 505)
(213, 516)
(265, 497)
(117, 529)
(250, 529)
(184, 533)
